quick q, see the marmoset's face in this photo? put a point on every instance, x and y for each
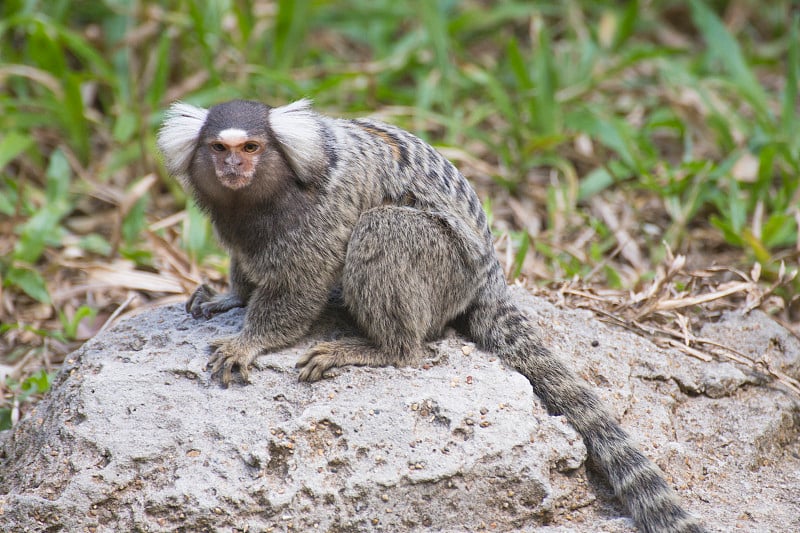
(235, 154)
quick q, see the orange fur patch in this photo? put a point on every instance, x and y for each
(385, 137)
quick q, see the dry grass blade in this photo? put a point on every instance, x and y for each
(726, 352)
(688, 301)
(174, 260)
(121, 274)
(117, 312)
(38, 75)
(625, 242)
(703, 356)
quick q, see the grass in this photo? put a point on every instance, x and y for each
(604, 136)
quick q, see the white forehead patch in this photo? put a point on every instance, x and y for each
(232, 135)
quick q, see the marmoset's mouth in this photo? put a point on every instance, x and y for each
(235, 181)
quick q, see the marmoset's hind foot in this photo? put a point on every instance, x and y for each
(351, 351)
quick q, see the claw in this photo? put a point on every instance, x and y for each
(195, 303)
(230, 352)
(314, 363)
(304, 359)
(227, 373)
(205, 302)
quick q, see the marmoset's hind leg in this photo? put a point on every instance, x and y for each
(405, 277)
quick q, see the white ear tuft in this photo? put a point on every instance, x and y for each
(299, 131)
(177, 138)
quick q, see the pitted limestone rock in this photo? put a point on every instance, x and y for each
(135, 435)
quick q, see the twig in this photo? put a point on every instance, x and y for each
(667, 305)
(117, 312)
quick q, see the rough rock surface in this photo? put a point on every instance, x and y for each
(135, 436)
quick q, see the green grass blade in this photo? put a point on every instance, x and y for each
(30, 281)
(545, 106)
(725, 50)
(626, 24)
(291, 25)
(518, 66)
(790, 123)
(435, 23)
(12, 145)
(157, 90)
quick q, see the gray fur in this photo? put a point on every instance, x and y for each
(371, 209)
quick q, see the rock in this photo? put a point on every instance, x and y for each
(135, 436)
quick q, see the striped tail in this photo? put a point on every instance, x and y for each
(504, 329)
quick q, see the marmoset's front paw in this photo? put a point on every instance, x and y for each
(207, 302)
(232, 352)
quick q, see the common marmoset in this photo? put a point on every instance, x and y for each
(305, 203)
